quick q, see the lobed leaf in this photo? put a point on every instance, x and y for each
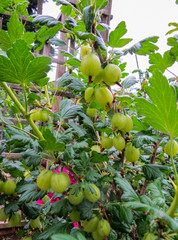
(115, 37)
(21, 66)
(162, 112)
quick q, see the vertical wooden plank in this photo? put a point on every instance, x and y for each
(105, 18)
(40, 7)
(61, 69)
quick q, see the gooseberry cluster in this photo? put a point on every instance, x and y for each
(98, 227)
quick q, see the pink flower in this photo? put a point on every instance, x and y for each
(54, 200)
(50, 195)
(72, 179)
(75, 224)
(40, 202)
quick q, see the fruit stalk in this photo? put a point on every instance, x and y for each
(13, 97)
(22, 109)
(172, 210)
(172, 161)
(47, 96)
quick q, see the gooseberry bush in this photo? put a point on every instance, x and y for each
(103, 166)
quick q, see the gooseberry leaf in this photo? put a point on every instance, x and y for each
(161, 111)
(21, 66)
(88, 18)
(129, 194)
(50, 142)
(161, 63)
(4, 4)
(144, 47)
(15, 32)
(115, 37)
(155, 212)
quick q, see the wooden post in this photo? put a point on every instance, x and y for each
(40, 7)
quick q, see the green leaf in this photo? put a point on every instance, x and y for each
(31, 211)
(43, 19)
(156, 192)
(172, 30)
(129, 194)
(60, 236)
(100, 42)
(5, 40)
(162, 112)
(11, 208)
(50, 32)
(99, 157)
(144, 47)
(173, 42)
(85, 207)
(81, 132)
(61, 208)
(21, 66)
(63, 2)
(88, 18)
(100, 4)
(139, 125)
(140, 139)
(74, 62)
(86, 119)
(15, 28)
(29, 192)
(80, 236)
(92, 175)
(50, 142)
(4, 4)
(122, 213)
(76, 85)
(128, 82)
(60, 227)
(31, 158)
(67, 111)
(151, 171)
(155, 211)
(57, 42)
(161, 63)
(115, 37)
(15, 31)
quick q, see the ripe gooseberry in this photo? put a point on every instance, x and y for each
(118, 121)
(132, 154)
(85, 49)
(90, 65)
(74, 215)
(119, 142)
(1, 186)
(106, 142)
(90, 225)
(9, 187)
(167, 148)
(91, 112)
(129, 124)
(43, 179)
(96, 236)
(112, 74)
(103, 96)
(103, 228)
(3, 216)
(99, 77)
(89, 95)
(59, 182)
(35, 223)
(75, 199)
(92, 197)
(14, 220)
